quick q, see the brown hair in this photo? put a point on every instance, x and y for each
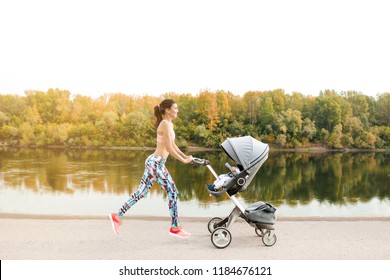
(159, 110)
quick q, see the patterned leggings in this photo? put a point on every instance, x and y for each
(155, 170)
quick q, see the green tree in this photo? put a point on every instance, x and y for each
(266, 114)
(293, 122)
(336, 136)
(82, 110)
(13, 107)
(383, 109)
(137, 128)
(121, 103)
(32, 115)
(3, 118)
(295, 101)
(53, 106)
(309, 129)
(359, 105)
(327, 112)
(26, 134)
(278, 99)
(207, 110)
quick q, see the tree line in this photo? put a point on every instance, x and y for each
(333, 119)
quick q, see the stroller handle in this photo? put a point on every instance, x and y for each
(199, 161)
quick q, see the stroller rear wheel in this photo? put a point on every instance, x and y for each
(213, 222)
(268, 238)
(221, 237)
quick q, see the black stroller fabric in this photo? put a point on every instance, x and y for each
(260, 212)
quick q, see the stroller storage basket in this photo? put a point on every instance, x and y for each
(260, 212)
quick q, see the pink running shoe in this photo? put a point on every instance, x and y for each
(179, 232)
(115, 222)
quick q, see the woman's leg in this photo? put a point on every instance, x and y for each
(146, 184)
(165, 180)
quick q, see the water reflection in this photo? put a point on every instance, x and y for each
(286, 179)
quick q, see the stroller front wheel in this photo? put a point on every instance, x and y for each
(211, 226)
(259, 232)
(221, 237)
(269, 238)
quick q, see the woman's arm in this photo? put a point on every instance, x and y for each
(178, 150)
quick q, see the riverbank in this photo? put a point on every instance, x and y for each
(140, 238)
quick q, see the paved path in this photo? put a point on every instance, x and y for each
(147, 238)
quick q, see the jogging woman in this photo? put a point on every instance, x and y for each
(155, 169)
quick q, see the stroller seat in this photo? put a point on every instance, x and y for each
(249, 154)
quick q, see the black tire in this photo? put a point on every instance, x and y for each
(269, 238)
(221, 237)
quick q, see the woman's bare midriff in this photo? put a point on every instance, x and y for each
(161, 151)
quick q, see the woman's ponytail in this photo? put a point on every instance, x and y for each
(158, 115)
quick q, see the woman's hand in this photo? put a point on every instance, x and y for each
(188, 159)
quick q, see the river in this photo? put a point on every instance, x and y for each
(96, 182)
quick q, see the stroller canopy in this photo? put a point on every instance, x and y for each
(246, 150)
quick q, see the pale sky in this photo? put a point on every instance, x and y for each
(92, 47)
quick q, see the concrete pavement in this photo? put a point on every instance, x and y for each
(92, 238)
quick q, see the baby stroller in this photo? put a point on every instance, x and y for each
(249, 154)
